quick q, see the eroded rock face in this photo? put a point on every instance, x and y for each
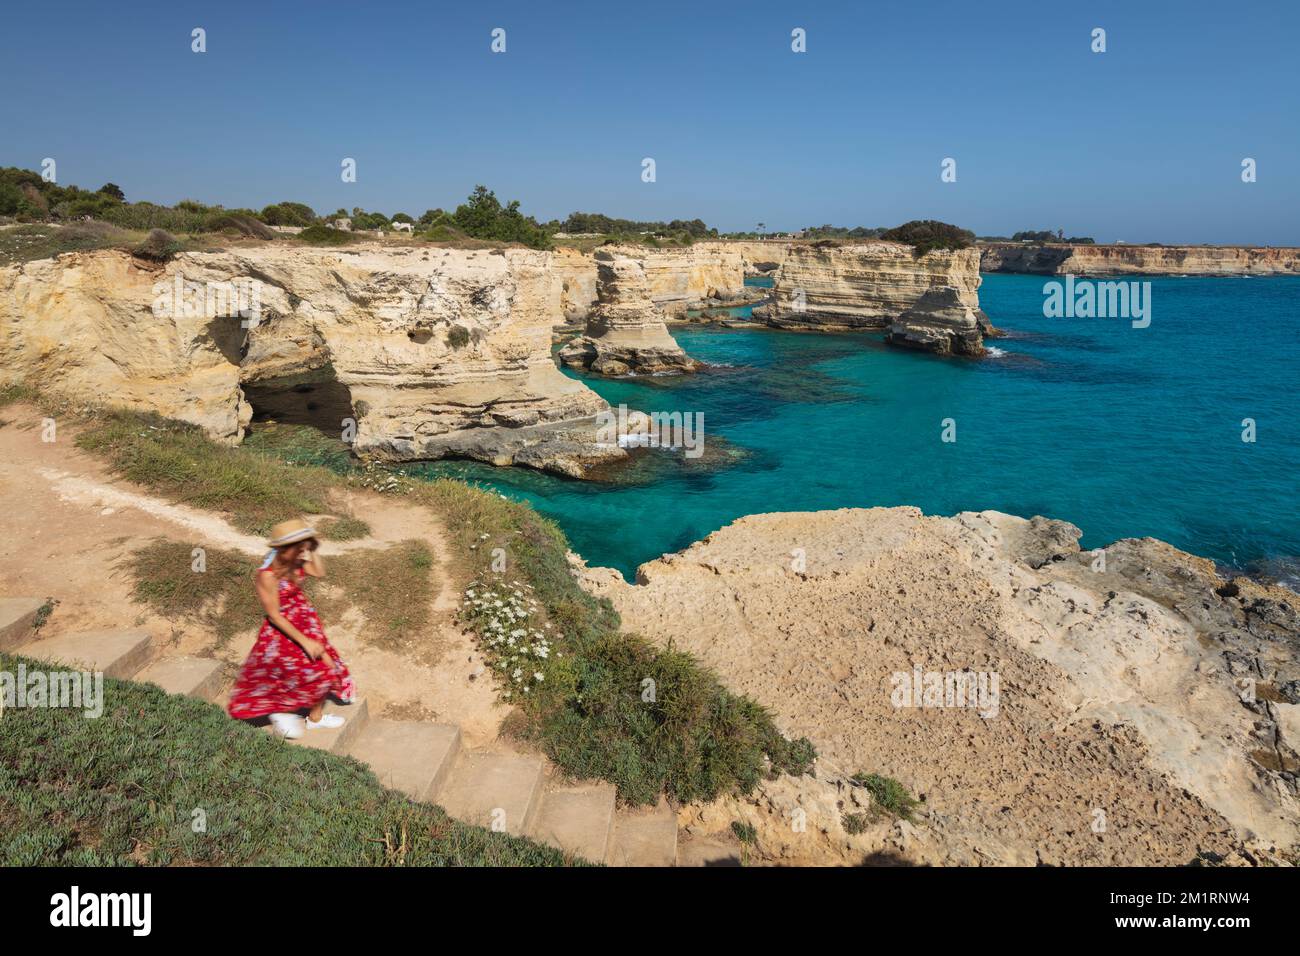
(939, 322)
(84, 324)
(698, 276)
(1146, 707)
(625, 332)
(437, 351)
(1085, 259)
(863, 285)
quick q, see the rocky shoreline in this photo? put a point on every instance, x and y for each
(1148, 709)
(415, 353)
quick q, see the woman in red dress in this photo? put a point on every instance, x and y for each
(292, 666)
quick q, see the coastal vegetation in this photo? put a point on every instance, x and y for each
(169, 780)
(159, 246)
(1042, 235)
(609, 705)
(887, 795)
(927, 235)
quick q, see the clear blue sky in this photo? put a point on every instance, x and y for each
(1141, 143)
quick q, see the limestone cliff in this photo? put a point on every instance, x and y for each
(625, 333)
(761, 257)
(83, 324)
(693, 276)
(431, 352)
(863, 285)
(1085, 259)
(1137, 708)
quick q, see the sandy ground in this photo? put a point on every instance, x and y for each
(67, 524)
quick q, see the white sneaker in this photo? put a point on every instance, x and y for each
(327, 721)
(288, 726)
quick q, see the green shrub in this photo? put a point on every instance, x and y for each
(289, 214)
(610, 705)
(159, 246)
(926, 235)
(324, 236)
(482, 216)
(458, 337)
(443, 233)
(239, 225)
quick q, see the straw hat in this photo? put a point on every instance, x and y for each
(290, 532)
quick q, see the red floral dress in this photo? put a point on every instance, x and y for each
(278, 677)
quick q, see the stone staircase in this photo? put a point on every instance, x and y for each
(518, 793)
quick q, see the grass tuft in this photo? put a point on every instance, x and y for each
(178, 461)
(217, 590)
(393, 588)
(342, 529)
(887, 794)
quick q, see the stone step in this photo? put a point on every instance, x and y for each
(340, 739)
(199, 677)
(499, 791)
(116, 653)
(645, 837)
(17, 615)
(407, 755)
(578, 820)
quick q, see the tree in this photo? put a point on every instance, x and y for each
(113, 190)
(926, 235)
(762, 228)
(483, 217)
(10, 197)
(288, 214)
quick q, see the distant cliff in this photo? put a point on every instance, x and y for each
(1063, 259)
(864, 285)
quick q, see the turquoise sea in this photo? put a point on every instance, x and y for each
(1124, 432)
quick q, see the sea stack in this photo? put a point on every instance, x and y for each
(625, 332)
(940, 322)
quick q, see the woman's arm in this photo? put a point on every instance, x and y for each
(314, 566)
(268, 592)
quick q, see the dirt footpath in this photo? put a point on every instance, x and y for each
(67, 524)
